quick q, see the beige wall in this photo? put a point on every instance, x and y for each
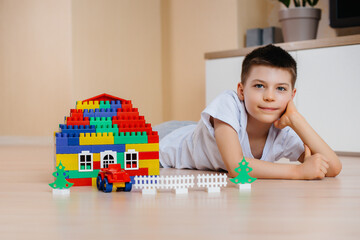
(53, 53)
(192, 28)
(35, 65)
(117, 50)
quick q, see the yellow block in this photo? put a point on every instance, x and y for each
(70, 161)
(144, 147)
(93, 182)
(96, 157)
(96, 138)
(152, 165)
(87, 105)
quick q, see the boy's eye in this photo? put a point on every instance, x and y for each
(281, 88)
(259, 85)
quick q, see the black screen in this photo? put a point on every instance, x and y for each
(344, 13)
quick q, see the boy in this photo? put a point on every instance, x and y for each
(259, 122)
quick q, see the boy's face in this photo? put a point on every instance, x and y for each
(266, 93)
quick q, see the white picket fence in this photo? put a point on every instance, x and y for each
(149, 184)
(212, 182)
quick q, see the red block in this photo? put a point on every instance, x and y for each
(148, 155)
(153, 137)
(80, 181)
(77, 121)
(76, 113)
(128, 120)
(128, 112)
(126, 104)
(139, 172)
(96, 165)
(135, 128)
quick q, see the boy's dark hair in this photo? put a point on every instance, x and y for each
(271, 56)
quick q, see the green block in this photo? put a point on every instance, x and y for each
(120, 159)
(104, 105)
(107, 128)
(100, 121)
(130, 138)
(77, 174)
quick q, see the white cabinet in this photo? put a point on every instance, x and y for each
(222, 74)
(328, 90)
(329, 94)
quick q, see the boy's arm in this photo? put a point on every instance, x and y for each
(317, 146)
(230, 149)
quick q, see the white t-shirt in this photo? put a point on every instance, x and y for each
(195, 147)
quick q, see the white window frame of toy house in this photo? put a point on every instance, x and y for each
(108, 153)
(131, 152)
(86, 154)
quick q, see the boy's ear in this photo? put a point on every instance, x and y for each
(240, 91)
(293, 94)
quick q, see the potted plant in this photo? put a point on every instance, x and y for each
(301, 22)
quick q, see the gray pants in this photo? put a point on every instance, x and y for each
(165, 128)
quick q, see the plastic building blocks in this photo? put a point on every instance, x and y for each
(104, 112)
(87, 104)
(98, 121)
(243, 179)
(105, 105)
(78, 113)
(130, 138)
(82, 181)
(148, 155)
(132, 112)
(113, 178)
(77, 121)
(150, 147)
(115, 104)
(97, 138)
(108, 128)
(153, 137)
(70, 160)
(105, 130)
(77, 129)
(153, 165)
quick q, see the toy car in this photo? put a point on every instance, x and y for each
(113, 177)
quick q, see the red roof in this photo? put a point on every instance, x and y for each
(104, 97)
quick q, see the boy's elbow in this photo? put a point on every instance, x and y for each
(335, 171)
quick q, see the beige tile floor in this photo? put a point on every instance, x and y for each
(274, 209)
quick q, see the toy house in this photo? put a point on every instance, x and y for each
(103, 130)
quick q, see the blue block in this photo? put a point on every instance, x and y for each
(73, 149)
(61, 139)
(77, 129)
(102, 148)
(89, 113)
(115, 104)
(108, 112)
(73, 139)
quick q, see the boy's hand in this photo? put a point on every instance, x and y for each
(314, 166)
(285, 119)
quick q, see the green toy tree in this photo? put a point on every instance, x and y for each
(60, 175)
(243, 171)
